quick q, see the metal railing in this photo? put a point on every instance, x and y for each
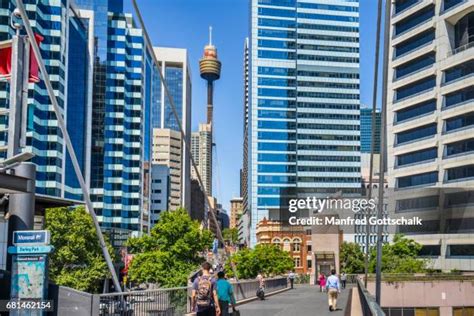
(248, 289)
(367, 301)
(173, 301)
(163, 302)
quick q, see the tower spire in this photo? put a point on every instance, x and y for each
(210, 35)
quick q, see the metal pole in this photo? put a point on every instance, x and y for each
(16, 95)
(372, 149)
(383, 151)
(70, 148)
(21, 206)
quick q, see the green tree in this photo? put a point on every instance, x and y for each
(171, 252)
(399, 256)
(268, 259)
(77, 260)
(352, 258)
(231, 235)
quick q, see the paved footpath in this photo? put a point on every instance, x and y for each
(303, 300)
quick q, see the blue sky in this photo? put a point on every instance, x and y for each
(184, 24)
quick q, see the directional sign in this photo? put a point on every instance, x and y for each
(21, 250)
(31, 237)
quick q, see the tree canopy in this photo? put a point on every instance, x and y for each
(399, 256)
(266, 258)
(352, 258)
(231, 235)
(77, 260)
(171, 252)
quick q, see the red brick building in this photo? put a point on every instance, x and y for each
(294, 239)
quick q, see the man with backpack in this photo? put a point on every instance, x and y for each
(204, 294)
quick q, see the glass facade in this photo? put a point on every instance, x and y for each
(60, 27)
(77, 104)
(101, 94)
(366, 130)
(304, 88)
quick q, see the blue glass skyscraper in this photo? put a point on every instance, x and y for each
(304, 102)
(366, 130)
(121, 115)
(100, 68)
(66, 55)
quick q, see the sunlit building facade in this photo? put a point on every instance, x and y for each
(304, 102)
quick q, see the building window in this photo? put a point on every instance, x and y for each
(460, 147)
(459, 97)
(459, 71)
(462, 251)
(414, 43)
(309, 248)
(415, 19)
(416, 133)
(459, 173)
(463, 311)
(297, 262)
(464, 32)
(277, 242)
(459, 122)
(309, 263)
(417, 156)
(416, 110)
(296, 245)
(415, 65)
(418, 179)
(286, 244)
(430, 251)
(404, 311)
(415, 88)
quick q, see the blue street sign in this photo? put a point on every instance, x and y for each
(31, 237)
(25, 250)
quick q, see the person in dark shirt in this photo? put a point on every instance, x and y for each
(204, 295)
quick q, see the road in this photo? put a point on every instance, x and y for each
(303, 300)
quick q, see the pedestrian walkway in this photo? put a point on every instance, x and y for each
(304, 300)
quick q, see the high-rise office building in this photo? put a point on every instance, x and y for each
(168, 151)
(201, 150)
(160, 191)
(235, 211)
(120, 115)
(67, 54)
(243, 223)
(366, 130)
(430, 120)
(304, 102)
(177, 74)
(100, 68)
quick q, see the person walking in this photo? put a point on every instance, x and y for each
(333, 287)
(225, 294)
(322, 282)
(343, 279)
(204, 300)
(291, 277)
(261, 286)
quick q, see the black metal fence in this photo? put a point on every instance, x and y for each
(367, 301)
(173, 301)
